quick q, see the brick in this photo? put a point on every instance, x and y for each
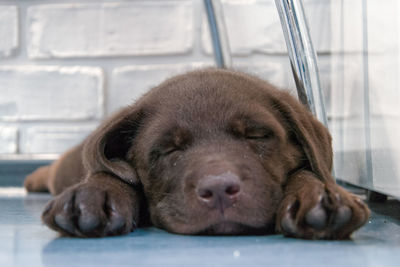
(130, 82)
(50, 93)
(110, 29)
(53, 139)
(254, 26)
(8, 139)
(8, 30)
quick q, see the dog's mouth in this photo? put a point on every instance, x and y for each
(234, 220)
(234, 228)
(220, 226)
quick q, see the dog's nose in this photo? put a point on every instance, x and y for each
(219, 191)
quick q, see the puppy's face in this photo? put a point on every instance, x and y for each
(215, 161)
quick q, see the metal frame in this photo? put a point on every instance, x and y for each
(302, 56)
(219, 35)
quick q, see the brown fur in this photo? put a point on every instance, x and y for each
(208, 152)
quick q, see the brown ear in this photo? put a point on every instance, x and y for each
(106, 149)
(313, 136)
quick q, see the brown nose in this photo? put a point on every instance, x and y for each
(219, 191)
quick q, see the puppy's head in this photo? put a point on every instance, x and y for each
(212, 151)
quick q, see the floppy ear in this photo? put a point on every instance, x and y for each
(312, 136)
(106, 149)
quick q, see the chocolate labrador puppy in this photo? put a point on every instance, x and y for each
(208, 152)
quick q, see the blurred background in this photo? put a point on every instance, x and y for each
(65, 65)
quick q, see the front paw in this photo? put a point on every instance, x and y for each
(91, 210)
(319, 211)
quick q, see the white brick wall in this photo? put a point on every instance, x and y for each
(8, 139)
(8, 30)
(110, 29)
(52, 139)
(50, 93)
(66, 64)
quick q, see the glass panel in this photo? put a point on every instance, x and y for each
(364, 111)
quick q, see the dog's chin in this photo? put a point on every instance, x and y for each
(233, 228)
(215, 223)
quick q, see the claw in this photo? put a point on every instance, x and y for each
(288, 225)
(63, 221)
(48, 207)
(117, 223)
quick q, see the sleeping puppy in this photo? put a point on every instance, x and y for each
(209, 152)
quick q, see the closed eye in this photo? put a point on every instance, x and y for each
(169, 150)
(245, 127)
(160, 152)
(258, 134)
(175, 139)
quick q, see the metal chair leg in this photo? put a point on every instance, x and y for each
(303, 59)
(219, 34)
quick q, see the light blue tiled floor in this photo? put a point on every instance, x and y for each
(24, 241)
